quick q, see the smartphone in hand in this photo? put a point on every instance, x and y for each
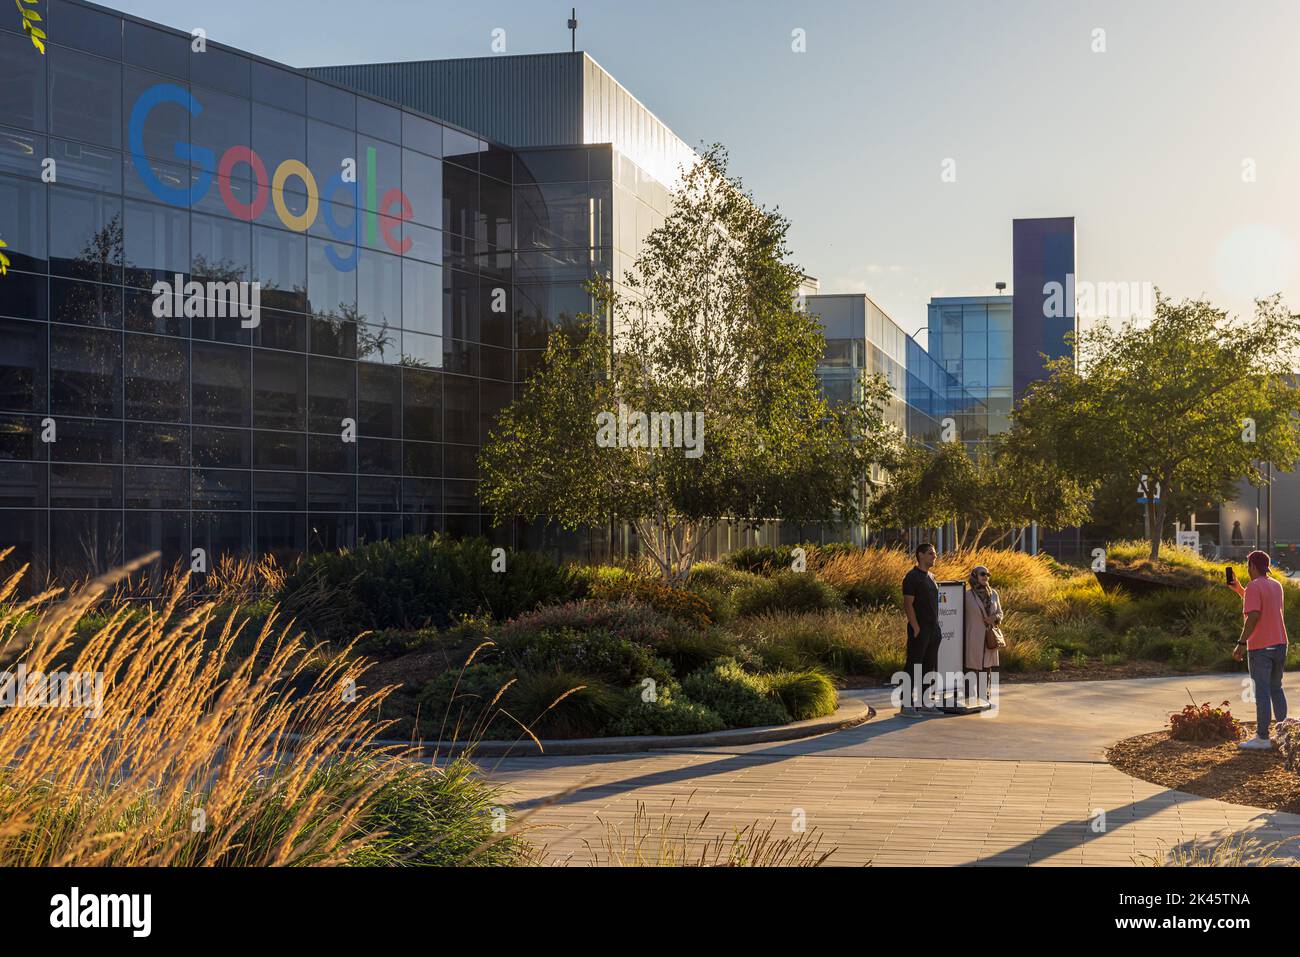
(1232, 576)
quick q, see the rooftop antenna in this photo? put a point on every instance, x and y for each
(573, 29)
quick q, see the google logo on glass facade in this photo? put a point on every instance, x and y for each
(381, 217)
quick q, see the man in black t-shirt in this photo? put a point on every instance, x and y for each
(921, 606)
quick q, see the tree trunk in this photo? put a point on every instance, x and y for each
(1156, 515)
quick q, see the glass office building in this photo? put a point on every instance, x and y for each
(993, 346)
(970, 337)
(861, 339)
(408, 271)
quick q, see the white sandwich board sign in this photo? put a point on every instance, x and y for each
(952, 627)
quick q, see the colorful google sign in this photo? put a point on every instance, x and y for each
(380, 215)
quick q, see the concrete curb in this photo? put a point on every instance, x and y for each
(851, 712)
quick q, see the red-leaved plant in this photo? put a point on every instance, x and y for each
(1204, 723)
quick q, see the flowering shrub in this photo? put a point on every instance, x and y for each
(1204, 723)
(1288, 742)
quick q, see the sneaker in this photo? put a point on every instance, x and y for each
(906, 712)
(930, 711)
(1256, 743)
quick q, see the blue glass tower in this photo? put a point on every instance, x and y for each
(1043, 312)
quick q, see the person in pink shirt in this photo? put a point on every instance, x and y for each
(1263, 639)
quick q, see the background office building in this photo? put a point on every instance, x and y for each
(542, 104)
(993, 346)
(408, 300)
(572, 221)
(861, 339)
(971, 339)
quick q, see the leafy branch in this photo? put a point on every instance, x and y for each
(30, 19)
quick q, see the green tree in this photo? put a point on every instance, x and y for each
(990, 488)
(1193, 400)
(922, 489)
(703, 331)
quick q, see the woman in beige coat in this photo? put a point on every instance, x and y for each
(983, 610)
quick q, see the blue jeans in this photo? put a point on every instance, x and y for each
(1266, 666)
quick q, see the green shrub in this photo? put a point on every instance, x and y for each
(739, 698)
(786, 591)
(1152, 643)
(719, 577)
(805, 694)
(717, 585)
(1080, 598)
(600, 653)
(669, 714)
(688, 650)
(760, 559)
(684, 647)
(420, 816)
(1111, 642)
(1174, 610)
(1197, 652)
(476, 706)
(564, 704)
(435, 817)
(594, 575)
(418, 582)
(626, 619)
(92, 622)
(721, 610)
(459, 703)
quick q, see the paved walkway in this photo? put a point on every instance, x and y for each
(1024, 787)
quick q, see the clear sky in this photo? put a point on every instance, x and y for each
(1144, 143)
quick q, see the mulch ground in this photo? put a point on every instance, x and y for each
(1213, 770)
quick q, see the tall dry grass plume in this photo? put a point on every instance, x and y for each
(241, 578)
(190, 756)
